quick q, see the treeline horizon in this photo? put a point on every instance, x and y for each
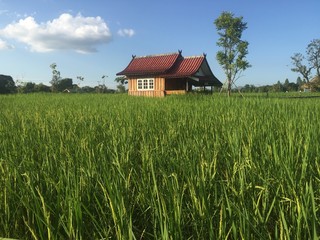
(8, 85)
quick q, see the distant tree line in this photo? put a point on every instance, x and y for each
(286, 86)
(307, 65)
(58, 84)
(66, 86)
(8, 85)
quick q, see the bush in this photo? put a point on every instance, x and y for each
(7, 84)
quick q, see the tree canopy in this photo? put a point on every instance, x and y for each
(313, 53)
(306, 64)
(60, 84)
(232, 57)
(7, 85)
(300, 67)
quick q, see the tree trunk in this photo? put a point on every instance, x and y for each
(229, 87)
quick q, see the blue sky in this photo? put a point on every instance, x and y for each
(97, 37)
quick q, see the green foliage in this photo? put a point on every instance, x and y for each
(60, 84)
(300, 67)
(312, 58)
(121, 80)
(55, 77)
(7, 84)
(85, 166)
(65, 83)
(30, 87)
(287, 86)
(42, 88)
(313, 53)
(121, 86)
(27, 87)
(232, 57)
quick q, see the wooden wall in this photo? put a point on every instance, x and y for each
(159, 85)
(147, 93)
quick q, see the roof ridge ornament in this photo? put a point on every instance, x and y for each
(156, 55)
(205, 55)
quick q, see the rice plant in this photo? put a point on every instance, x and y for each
(182, 167)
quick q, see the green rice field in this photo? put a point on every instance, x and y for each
(82, 166)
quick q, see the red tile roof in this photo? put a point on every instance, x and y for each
(172, 65)
(185, 67)
(154, 64)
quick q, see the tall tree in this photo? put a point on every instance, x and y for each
(300, 67)
(312, 58)
(55, 77)
(232, 57)
(121, 83)
(313, 52)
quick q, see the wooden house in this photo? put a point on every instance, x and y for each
(313, 85)
(165, 74)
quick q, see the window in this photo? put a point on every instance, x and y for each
(145, 84)
(150, 83)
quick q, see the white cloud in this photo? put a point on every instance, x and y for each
(126, 32)
(67, 32)
(4, 45)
